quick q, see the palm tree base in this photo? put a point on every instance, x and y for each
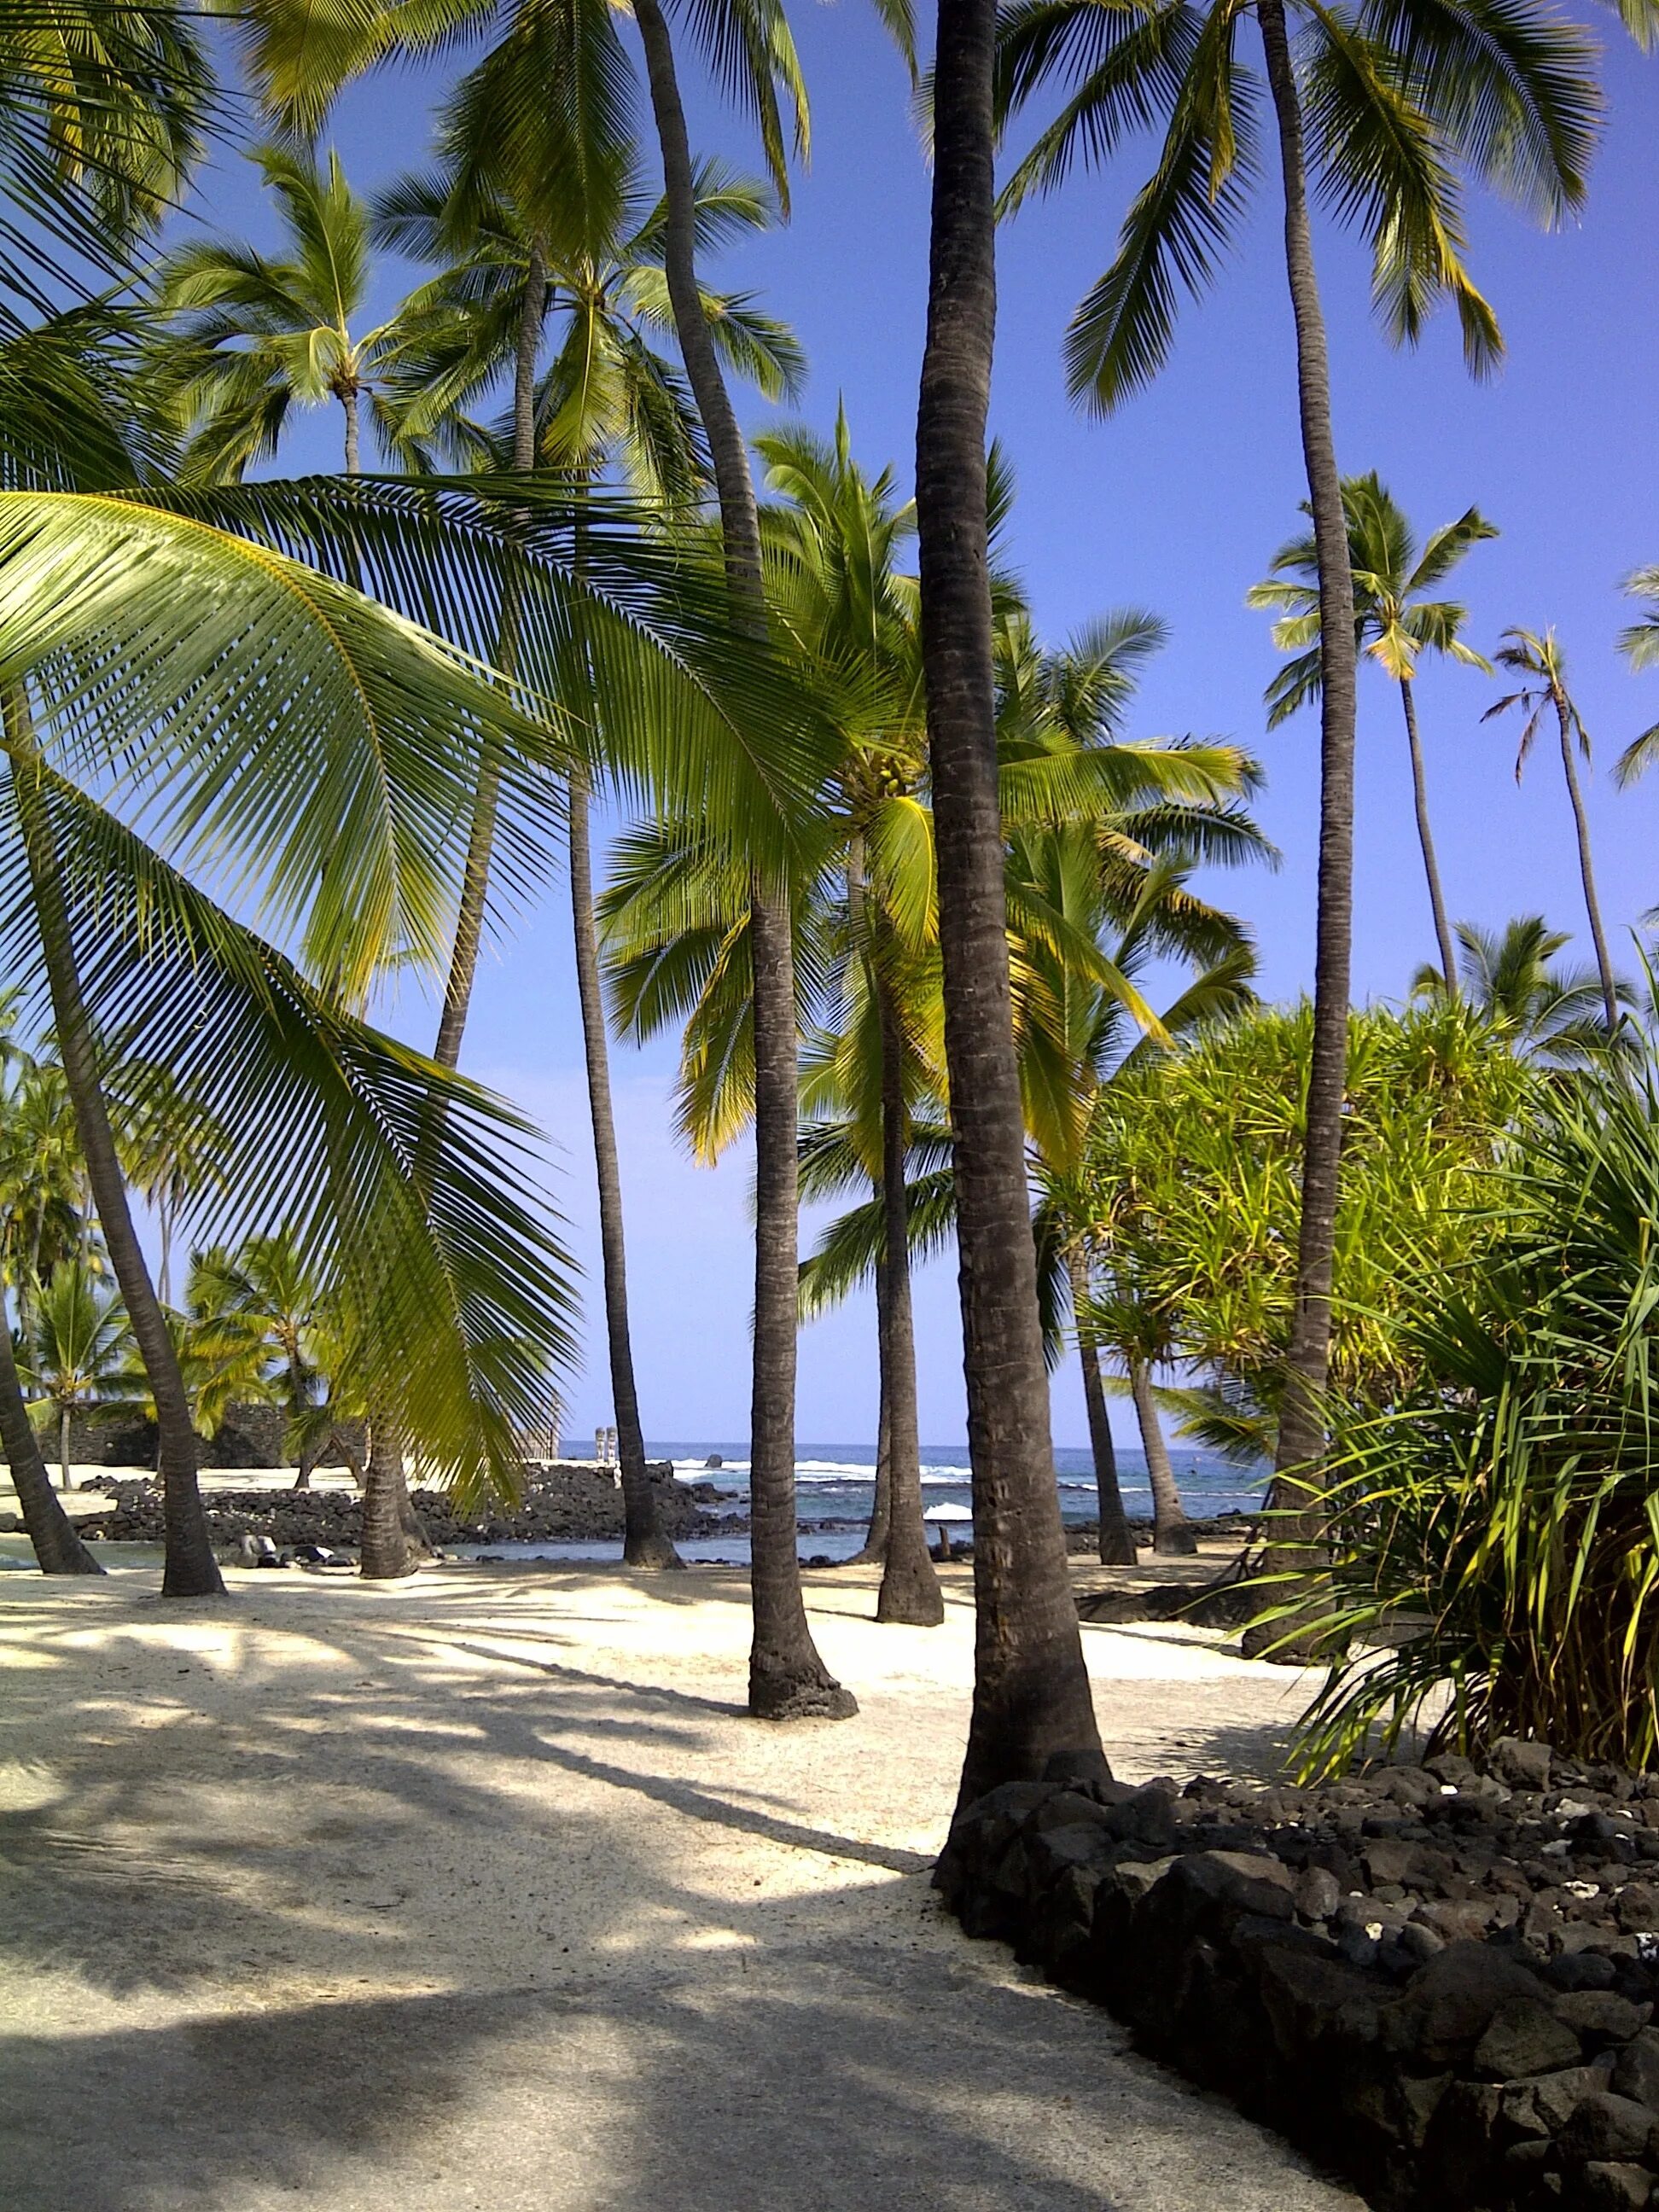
(1176, 1543)
(1117, 1548)
(655, 1553)
(910, 1600)
(816, 1697)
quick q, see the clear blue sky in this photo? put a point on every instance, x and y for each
(1175, 504)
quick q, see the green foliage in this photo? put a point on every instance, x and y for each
(1495, 1528)
(1191, 1194)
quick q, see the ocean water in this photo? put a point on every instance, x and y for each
(834, 1488)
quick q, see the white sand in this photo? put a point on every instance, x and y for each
(481, 1890)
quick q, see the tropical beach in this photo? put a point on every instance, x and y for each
(896, 755)
(480, 1889)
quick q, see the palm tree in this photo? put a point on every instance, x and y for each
(1639, 643)
(1529, 653)
(1385, 105)
(1394, 624)
(78, 1351)
(267, 1286)
(248, 337)
(1090, 901)
(749, 44)
(1555, 1017)
(1031, 1697)
(103, 110)
(608, 395)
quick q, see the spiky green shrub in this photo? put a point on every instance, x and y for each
(1496, 1531)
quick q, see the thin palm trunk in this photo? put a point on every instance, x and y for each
(1171, 1537)
(63, 1482)
(909, 1588)
(1115, 1544)
(644, 1544)
(1031, 1697)
(1296, 1546)
(191, 1569)
(387, 1552)
(58, 1549)
(349, 400)
(874, 1547)
(1587, 873)
(1424, 837)
(164, 1234)
(786, 1677)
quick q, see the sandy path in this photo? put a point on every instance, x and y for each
(480, 1891)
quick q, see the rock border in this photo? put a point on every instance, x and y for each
(1436, 1981)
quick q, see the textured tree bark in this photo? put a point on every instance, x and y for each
(644, 1544)
(1443, 935)
(1296, 1545)
(1031, 1697)
(64, 1481)
(390, 1549)
(190, 1568)
(874, 1547)
(909, 1588)
(58, 1549)
(1172, 1538)
(1587, 873)
(1115, 1545)
(349, 400)
(787, 1679)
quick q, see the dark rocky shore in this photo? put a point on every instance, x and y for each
(563, 1501)
(1438, 1980)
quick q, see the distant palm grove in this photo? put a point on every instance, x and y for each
(939, 931)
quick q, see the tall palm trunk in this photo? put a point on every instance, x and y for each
(191, 1569)
(786, 1677)
(874, 1547)
(1115, 1544)
(1296, 1545)
(1425, 838)
(63, 1418)
(909, 1588)
(644, 1544)
(1031, 1697)
(350, 401)
(1171, 1537)
(1587, 873)
(58, 1549)
(393, 1539)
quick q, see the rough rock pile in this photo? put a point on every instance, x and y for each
(565, 1501)
(1438, 1980)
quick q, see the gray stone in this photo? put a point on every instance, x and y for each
(1603, 2126)
(1524, 2037)
(1524, 1766)
(1610, 2186)
(1636, 2070)
(1638, 1907)
(1600, 2016)
(1449, 2003)
(1543, 2106)
(1457, 1923)
(1317, 1893)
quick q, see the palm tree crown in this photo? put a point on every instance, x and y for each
(253, 336)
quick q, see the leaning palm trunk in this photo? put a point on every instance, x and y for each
(1443, 935)
(1031, 1697)
(189, 1570)
(787, 1679)
(1587, 873)
(1171, 1537)
(909, 1588)
(1296, 1546)
(1115, 1544)
(58, 1549)
(644, 1544)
